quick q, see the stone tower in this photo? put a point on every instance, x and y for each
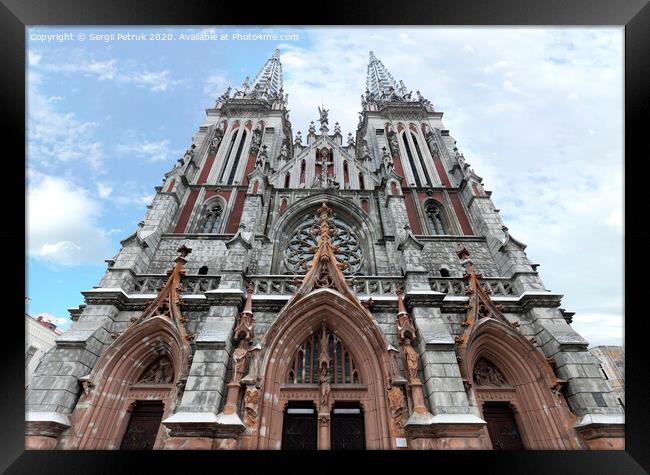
(321, 292)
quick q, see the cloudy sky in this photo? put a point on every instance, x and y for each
(538, 113)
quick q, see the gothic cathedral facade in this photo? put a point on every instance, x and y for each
(321, 292)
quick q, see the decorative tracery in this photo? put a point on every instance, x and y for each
(304, 367)
(301, 248)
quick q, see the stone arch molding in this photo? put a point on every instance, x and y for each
(544, 417)
(344, 208)
(357, 329)
(102, 413)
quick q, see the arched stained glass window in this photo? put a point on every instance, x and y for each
(304, 366)
(212, 219)
(436, 220)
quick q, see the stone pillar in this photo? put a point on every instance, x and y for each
(55, 386)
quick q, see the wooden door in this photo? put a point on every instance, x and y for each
(502, 426)
(143, 426)
(300, 429)
(347, 429)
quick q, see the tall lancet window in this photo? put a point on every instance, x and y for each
(212, 219)
(417, 149)
(233, 169)
(302, 172)
(411, 160)
(225, 159)
(436, 221)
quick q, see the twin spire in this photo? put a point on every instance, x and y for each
(380, 84)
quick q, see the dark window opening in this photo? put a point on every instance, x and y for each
(417, 149)
(444, 272)
(362, 183)
(203, 270)
(227, 156)
(411, 161)
(600, 400)
(233, 170)
(287, 180)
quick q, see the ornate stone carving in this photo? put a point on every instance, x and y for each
(486, 374)
(396, 404)
(251, 400)
(302, 244)
(256, 140)
(160, 371)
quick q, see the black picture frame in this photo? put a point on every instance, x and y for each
(15, 15)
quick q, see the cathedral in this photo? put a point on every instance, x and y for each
(321, 292)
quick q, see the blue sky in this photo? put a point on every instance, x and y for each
(538, 113)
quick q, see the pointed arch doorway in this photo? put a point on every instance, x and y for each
(357, 369)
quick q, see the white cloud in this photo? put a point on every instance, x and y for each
(59, 136)
(215, 85)
(150, 151)
(107, 70)
(63, 222)
(103, 190)
(514, 110)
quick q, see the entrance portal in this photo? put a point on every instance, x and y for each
(502, 426)
(300, 428)
(348, 429)
(143, 426)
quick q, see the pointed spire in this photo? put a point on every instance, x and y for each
(269, 78)
(167, 303)
(381, 86)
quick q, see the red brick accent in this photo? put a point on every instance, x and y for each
(364, 204)
(171, 184)
(206, 169)
(256, 186)
(393, 188)
(460, 214)
(441, 170)
(412, 215)
(210, 193)
(397, 164)
(283, 205)
(235, 217)
(399, 128)
(476, 191)
(187, 211)
(249, 167)
(436, 195)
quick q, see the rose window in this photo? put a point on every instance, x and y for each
(300, 248)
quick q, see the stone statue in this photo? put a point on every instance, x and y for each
(323, 116)
(337, 128)
(325, 390)
(239, 360)
(387, 159)
(350, 140)
(284, 151)
(297, 142)
(412, 359)
(365, 151)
